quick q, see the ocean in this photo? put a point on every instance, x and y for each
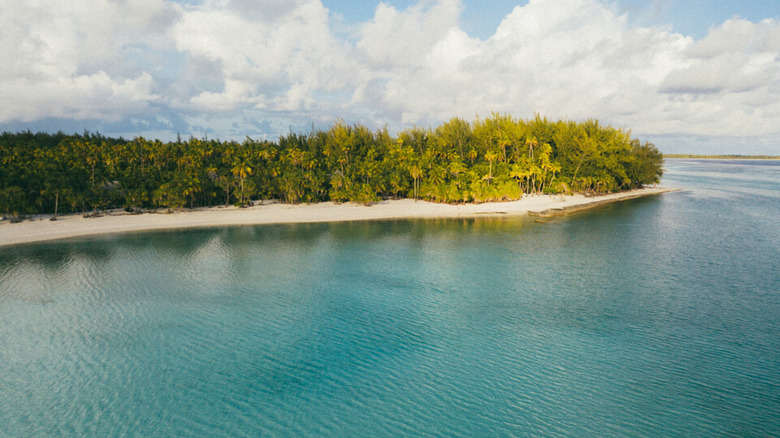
(658, 316)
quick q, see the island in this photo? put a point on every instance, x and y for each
(488, 166)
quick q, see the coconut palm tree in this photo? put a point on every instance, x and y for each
(241, 170)
(491, 156)
(416, 174)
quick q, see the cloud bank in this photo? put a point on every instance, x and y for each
(237, 67)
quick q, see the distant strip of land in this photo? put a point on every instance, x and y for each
(40, 228)
(724, 157)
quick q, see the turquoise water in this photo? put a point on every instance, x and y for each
(653, 317)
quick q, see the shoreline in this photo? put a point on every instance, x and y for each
(40, 228)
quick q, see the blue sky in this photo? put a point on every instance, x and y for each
(690, 75)
(690, 17)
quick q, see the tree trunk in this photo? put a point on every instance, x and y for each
(241, 201)
(575, 171)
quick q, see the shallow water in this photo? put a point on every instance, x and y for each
(651, 317)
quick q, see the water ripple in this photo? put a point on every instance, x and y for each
(653, 318)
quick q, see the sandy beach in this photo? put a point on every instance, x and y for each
(40, 228)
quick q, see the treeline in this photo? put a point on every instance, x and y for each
(498, 158)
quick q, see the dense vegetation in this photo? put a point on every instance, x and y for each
(498, 158)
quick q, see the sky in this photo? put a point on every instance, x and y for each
(691, 76)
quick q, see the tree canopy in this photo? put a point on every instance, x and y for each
(492, 159)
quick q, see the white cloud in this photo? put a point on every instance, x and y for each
(239, 62)
(274, 62)
(561, 57)
(739, 56)
(403, 38)
(66, 59)
(577, 59)
(731, 84)
(96, 96)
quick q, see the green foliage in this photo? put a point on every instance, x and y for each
(495, 159)
(647, 165)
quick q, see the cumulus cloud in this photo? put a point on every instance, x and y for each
(563, 57)
(730, 85)
(403, 38)
(261, 66)
(275, 58)
(738, 56)
(68, 59)
(95, 96)
(577, 59)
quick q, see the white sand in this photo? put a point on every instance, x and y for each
(40, 228)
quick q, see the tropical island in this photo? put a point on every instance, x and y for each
(458, 163)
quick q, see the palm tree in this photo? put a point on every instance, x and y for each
(531, 143)
(241, 170)
(491, 156)
(416, 174)
(190, 186)
(553, 168)
(472, 155)
(520, 172)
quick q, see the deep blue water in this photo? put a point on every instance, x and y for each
(653, 317)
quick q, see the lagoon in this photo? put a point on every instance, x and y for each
(651, 317)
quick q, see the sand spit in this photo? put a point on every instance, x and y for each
(40, 228)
